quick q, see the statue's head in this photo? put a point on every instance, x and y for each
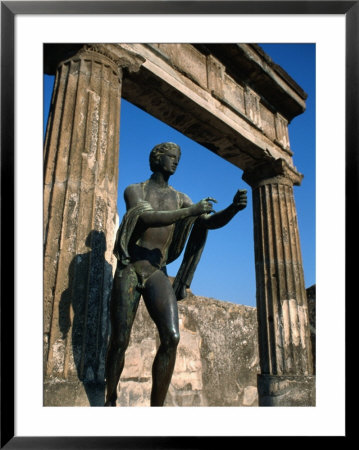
(162, 149)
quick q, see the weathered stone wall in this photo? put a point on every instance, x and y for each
(217, 358)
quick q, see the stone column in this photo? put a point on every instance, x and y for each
(80, 196)
(286, 362)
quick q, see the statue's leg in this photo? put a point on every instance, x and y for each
(124, 303)
(161, 304)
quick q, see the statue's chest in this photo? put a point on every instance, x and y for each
(162, 199)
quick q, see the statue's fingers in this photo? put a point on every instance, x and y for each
(210, 199)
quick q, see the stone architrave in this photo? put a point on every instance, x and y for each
(80, 194)
(287, 376)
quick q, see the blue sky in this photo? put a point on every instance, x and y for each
(226, 269)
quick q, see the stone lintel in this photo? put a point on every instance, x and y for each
(275, 390)
(211, 110)
(198, 94)
(250, 63)
(276, 171)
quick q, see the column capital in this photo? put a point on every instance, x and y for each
(276, 171)
(120, 57)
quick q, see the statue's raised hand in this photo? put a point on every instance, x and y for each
(240, 199)
(204, 206)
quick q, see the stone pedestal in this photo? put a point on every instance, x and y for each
(80, 195)
(276, 390)
(284, 335)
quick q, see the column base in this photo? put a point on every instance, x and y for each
(276, 390)
(73, 393)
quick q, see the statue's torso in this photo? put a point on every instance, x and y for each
(150, 245)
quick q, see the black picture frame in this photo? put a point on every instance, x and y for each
(9, 10)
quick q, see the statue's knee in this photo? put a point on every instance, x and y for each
(171, 341)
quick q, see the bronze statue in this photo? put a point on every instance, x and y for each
(153, 233)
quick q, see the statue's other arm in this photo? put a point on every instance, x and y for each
(164, 218)
(221, 218)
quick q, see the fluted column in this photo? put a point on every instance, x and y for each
(286, 361)
(80, 195)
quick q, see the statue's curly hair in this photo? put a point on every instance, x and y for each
(159, 150)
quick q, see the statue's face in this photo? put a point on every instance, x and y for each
(169, 161)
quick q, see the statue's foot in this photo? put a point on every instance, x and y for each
(110, 403)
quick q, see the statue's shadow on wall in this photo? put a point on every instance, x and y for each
(90, 283)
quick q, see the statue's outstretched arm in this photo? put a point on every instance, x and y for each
(221, 218)
(164, 218)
